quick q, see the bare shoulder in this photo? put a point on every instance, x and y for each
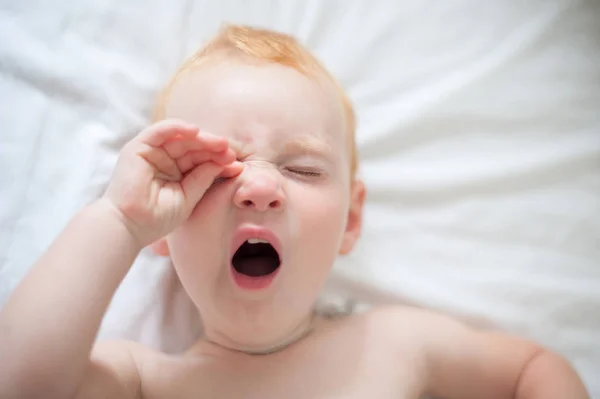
(434, 333)
(403, 331)
(398, 337)
(410, 322)
(407, 332)
(391, 321)
(425, 325)
(115, 370)
(457, 360)
(403, 313)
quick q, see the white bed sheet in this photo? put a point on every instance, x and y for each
(479, 132)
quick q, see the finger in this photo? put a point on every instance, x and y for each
(231, 170)
(214, 142)
(178, 147)
(195, 183)
(158, 133)
(223, 157)
(191, 160)
(236, 146)
(165, 167)
(195, 158)
(242, 150)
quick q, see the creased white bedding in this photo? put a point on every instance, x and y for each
(479, 131)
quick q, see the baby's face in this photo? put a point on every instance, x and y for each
(295, 191)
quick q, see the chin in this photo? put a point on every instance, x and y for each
(250, 323)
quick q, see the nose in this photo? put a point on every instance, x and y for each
(260, 192)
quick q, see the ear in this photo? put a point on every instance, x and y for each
(355, 216)
(160, 247)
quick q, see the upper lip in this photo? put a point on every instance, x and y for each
(242, 234)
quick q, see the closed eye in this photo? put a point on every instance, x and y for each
(305, 173)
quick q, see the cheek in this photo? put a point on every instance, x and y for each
(322, 217)
(195, 260)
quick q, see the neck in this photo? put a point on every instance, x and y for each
(298, 332)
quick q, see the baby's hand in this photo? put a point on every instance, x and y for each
(162, 174)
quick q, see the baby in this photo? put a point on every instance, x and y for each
(248, 182)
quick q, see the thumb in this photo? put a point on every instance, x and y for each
(196, 182)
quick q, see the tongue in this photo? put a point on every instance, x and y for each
(255, 266)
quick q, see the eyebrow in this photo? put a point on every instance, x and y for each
(307, 145)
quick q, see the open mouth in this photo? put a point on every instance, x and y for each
(256, 258)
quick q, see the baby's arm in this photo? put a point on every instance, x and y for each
(49, 324)
(462, 363)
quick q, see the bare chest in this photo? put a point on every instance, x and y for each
(337, 364)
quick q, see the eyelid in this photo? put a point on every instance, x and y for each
(305, 160)
(307, 172)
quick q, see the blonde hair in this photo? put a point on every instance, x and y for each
(264, 46)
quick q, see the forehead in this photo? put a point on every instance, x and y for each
(249, 102)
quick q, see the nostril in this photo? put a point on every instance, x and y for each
(274, 204)
(247, 203)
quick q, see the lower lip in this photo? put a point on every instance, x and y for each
(253, 283)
